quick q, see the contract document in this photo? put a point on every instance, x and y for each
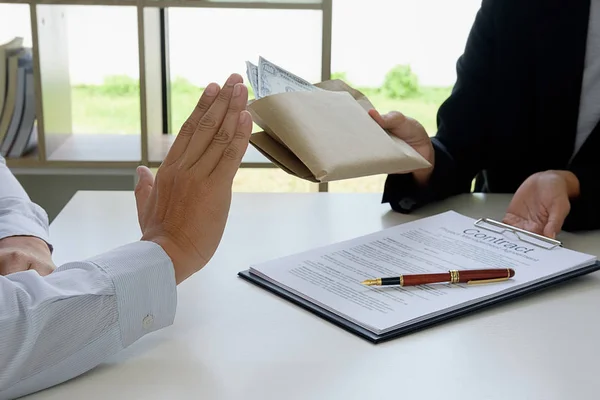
(330, 277)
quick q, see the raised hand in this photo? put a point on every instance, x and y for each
(185, 208)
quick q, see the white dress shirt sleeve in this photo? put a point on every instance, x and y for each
(56, 327)
(18, 214)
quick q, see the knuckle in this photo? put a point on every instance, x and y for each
(239, 135)
(224, 96)
(235, 107)
(165, 176)
(222, 136)
(222, 100)
(208, 122)
(231, 153)
(203, 105)
(17, 256)
(396, 117)
(187, 128)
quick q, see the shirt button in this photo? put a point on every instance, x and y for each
(148, 321)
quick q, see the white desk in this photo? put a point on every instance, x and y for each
(232, 340)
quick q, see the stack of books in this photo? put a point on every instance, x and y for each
(18, 127)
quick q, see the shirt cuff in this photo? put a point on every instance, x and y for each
(23, 218)
(405, 195)
(401, 192)
(145, 287)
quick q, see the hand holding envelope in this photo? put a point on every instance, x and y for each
(322, 132)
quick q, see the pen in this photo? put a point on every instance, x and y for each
(473, 276)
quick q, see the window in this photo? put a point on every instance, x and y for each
(15, 22)
(208, 44)
(401, 54)
(90, 82)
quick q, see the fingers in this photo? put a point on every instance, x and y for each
(143, 188)
(210, 123)
(18, 260)
(213, 154)
(510, 219)
(523, 223)
(515, 221)
(43, 269)
(189, 126)
(556, 220)
(388, 121)
(377, 117)
(232, 156)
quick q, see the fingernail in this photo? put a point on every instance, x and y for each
(230, 80)
(244, 118)
(237, 90)
(211, 89)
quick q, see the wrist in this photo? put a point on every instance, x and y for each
(422, 175)
(183, 266)
(30, 243)
(571, 182)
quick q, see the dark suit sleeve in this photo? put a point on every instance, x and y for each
(584, 213)
(462, 124)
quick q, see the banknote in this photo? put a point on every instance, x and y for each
(275, 79)
(252, 73)
(268, 78)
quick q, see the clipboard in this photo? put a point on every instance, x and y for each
(483, 223)
(521, 234)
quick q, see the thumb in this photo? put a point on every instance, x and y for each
(144, 187)
(44, 269)
(551, 229)
(390, 120)
(554, 224)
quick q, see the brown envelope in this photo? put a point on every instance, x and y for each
(327, 135)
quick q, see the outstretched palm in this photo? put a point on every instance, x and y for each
(540, 205)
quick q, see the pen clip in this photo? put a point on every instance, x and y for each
(482, 281)
(492, 280)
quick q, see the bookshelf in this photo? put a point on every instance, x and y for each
(61, 151)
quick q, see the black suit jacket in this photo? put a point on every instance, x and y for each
(514, 109)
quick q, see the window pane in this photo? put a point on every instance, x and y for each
(104, 69)
(403, 57)
(207, 45)
(269, 180)
(15, 22)
(90, 82)
(426, 35)
(268, 1)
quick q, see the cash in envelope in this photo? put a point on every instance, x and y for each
(321, 132)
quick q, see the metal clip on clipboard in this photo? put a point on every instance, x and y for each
(523, 235)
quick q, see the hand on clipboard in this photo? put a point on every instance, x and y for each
(522, 234)
(541, 204)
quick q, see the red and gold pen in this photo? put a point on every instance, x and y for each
(472, 276)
